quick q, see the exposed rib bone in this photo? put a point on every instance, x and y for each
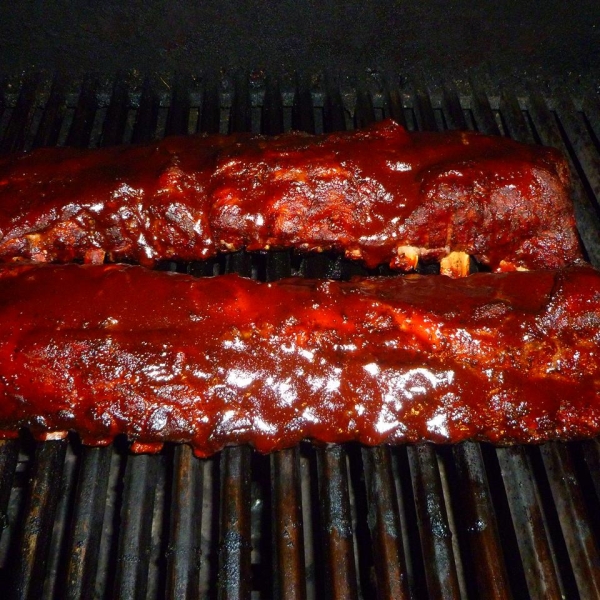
(406, 258)
(52, 435)
(456, 264)
(146, 448)
(94, 256)
(506, 266)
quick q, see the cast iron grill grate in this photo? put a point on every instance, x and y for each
(469, 521)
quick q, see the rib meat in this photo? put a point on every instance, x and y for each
(116, 349)
(378, 195)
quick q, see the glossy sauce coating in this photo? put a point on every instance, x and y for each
(368, 193)
(157, 356)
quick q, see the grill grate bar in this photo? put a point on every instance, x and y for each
(482, 111)
(58, 537)
(303, 115)
(146, 121)
(113, 129)
(567, 494)
(434, 530)
(240, 115)
(17, 129)
(234, 543)
(209, 121)
(336, 521)
(86, 523)
(135, 527)
(272, 110)
(583, 146)
(384, 524)
(31, 555)
(424, 110)
(3, 104)
(586, 154)
(591, 110)
(475, 512)
(534, 544)
(333, 111)
(83, 119)
(210, 118)
(9, 453)
(394, 107)
(20, 118)
(591, 453)
(54, 112)
(289, 572)
(183, 553)
(364, 113)
(179, 109)
(513, 119)
(452, 109)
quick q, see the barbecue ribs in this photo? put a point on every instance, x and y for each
(115, 349)
(378, 195)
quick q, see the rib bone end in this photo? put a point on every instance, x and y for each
(149, 448)
(52, 436)
(456, 264)
(406, 259)
(506, 266)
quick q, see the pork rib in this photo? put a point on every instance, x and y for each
(378, 195)
(114, 349)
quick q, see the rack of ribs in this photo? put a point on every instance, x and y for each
(379, 195)
(508, 358)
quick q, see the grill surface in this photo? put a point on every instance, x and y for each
(337, 522)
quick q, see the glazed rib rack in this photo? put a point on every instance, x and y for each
(466, 521)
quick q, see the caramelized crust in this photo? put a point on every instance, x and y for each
(106, 350)
(380, 195)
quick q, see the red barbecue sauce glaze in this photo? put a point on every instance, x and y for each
(115, 349)
(367, 193)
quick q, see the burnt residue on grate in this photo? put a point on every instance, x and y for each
(468, 521)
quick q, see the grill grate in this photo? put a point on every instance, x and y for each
(468, 521)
